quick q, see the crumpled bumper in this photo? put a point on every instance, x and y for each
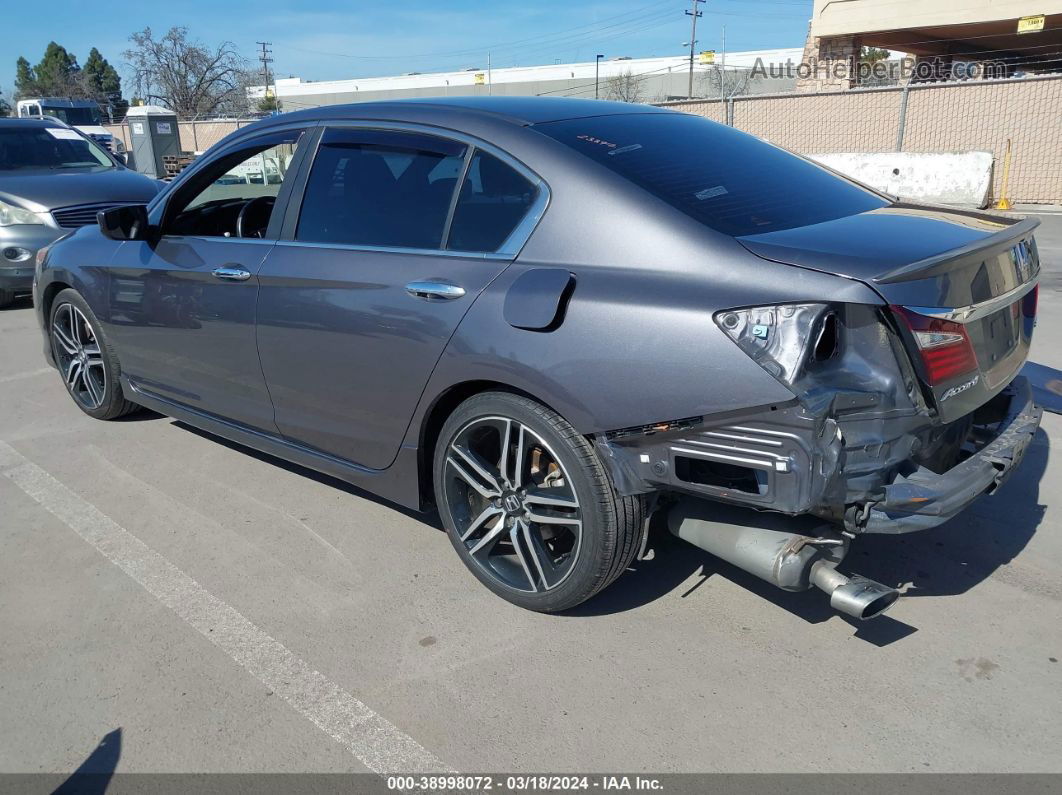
(926, 499)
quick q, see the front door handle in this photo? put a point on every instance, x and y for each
(431, 291)
(232, 274)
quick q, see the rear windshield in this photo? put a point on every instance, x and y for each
(729, 180)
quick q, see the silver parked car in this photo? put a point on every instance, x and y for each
(548, 318)
(53, 179)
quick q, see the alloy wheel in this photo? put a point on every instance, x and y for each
(77, 352)
(513, 504)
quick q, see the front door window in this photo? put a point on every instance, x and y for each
(235, 196)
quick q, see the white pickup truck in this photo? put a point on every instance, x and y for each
(81, 114)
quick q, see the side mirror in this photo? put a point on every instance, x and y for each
(128, 222)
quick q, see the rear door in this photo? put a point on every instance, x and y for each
(379, 264)
(181, 306)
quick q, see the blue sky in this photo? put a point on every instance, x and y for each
(329, 39)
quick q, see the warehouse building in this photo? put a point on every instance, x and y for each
(628, 79)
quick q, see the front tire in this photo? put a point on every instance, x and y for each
(85, 360)
(528, 506)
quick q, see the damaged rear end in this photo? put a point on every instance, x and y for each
(903, 413)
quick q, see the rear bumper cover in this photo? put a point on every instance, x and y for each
(809, 465)
(926, 499)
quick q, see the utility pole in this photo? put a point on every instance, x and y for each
(597, 76)
(266, 59)
(722, 74)
(490, 78)
(693, 13)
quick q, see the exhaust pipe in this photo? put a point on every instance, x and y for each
(763, 544)
(855, 596)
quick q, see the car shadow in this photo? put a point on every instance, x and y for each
(22, 302)
(1046, 385)
(93, 776)
(431, 519)
(946, 561)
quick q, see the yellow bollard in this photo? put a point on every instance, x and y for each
(1004, 203)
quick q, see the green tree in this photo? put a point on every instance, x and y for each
(58, 73)
(5, 108)
(873, 54)
(25, 79)
(102, 83)
(268, 104)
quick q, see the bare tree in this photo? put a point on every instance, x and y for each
(186, 76)
(625, 87)
(726, 83)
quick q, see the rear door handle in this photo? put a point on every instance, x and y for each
(232, 274)
(432, 290)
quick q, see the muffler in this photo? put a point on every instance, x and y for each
(765, 545)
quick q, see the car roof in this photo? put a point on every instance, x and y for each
(517, 110)
(42, 122)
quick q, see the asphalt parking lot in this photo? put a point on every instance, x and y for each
(206, 608)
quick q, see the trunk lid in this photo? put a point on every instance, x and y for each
(959, 271)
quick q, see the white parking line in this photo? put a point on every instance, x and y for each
(377, 743)
(28, 374)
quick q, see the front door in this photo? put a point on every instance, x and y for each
(356, 309)
(182, 306)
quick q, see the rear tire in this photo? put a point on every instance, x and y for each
(540, 524)
(86, 362)
(6, 297)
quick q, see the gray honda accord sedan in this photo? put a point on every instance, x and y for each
(53, 179)
(549, 318)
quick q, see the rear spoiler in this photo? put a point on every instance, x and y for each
(941, 263)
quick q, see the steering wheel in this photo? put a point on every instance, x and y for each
(254, 216)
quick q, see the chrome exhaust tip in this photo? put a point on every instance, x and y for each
(764, 545)
(855, 596)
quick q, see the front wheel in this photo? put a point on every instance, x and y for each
(86, 362)
(528, 505)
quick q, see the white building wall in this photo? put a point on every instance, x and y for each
(662, 78)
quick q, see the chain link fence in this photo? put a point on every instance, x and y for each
(936, 117)
(196, 135)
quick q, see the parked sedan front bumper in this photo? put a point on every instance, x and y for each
(926, 499)
(19, 245)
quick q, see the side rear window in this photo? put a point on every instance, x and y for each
(726, 179)
(380, 188)
(494, 198)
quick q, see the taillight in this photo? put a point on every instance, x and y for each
(944, 345)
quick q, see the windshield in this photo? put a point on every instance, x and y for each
(74, 116)
(48, 147)
(726, 179)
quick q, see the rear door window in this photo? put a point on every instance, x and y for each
(383, 188)
(494, 199)
(728, 180)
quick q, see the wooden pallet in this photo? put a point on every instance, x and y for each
(175, 164)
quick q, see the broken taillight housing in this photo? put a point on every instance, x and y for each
(944, 346)
(783, 338)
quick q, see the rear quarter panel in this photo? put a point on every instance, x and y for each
(637, 343)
